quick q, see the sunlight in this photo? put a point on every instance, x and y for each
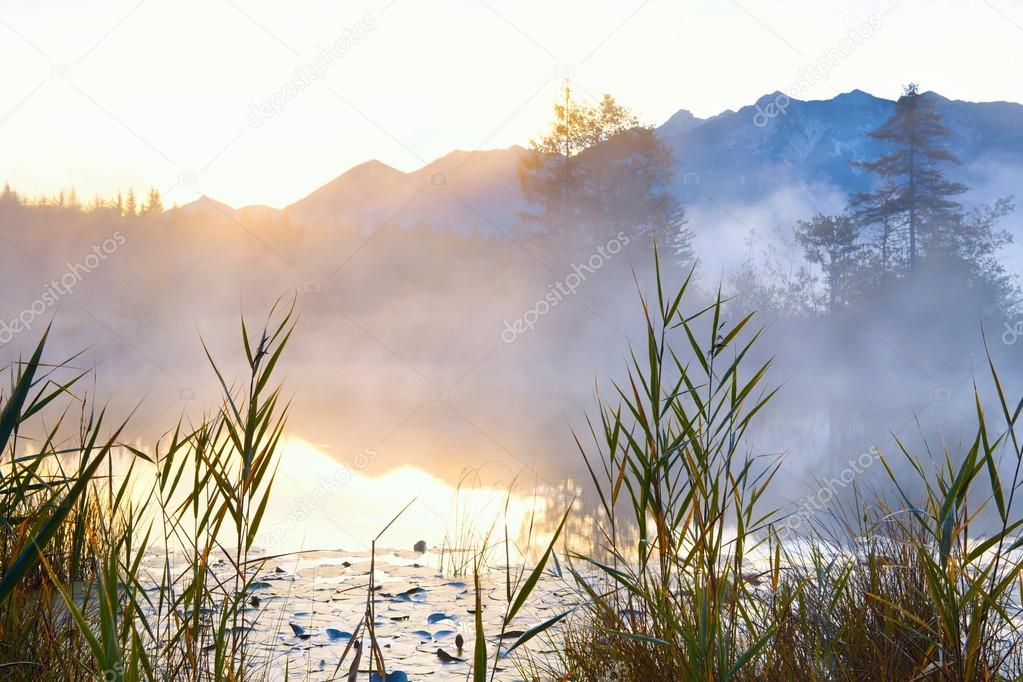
(511, 341)
(321, 503)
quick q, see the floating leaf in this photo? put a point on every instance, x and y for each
(438, 617)
(445, 657)
(393, 676)
(335, 634)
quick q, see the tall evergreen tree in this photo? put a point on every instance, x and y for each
(915, 196)
(129, 204)
(153, 201)
(8, 195)
(597, 170)
(878, 220)
(831, 242)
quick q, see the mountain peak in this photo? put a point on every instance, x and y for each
(773, 98)
(372, 169)
(205, 203)
(680, 123)
(855, 95)
(743, 156)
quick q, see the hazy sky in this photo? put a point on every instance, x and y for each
(116, 93)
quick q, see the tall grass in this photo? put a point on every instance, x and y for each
(77, 598)
(125, 564)
(519, 585)
(697, 579)
(46, 516)
(120, 563)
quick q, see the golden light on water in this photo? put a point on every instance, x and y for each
(322, 503)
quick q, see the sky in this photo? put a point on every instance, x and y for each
(258, 102)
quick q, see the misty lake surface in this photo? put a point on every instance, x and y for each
(321, 503)
(310, 594)
(305, 611)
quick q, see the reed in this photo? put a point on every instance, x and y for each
(695, 580)
(78, 599)
(125, 564)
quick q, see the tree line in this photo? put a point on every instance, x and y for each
(124, 203)
(597, 170)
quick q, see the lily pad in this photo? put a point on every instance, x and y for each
(438, 617)
(393, 676)
(335, 634)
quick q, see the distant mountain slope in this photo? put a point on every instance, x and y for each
(745, 155)
(465, 191)
(737, 157)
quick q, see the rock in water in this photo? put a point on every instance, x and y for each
(420, 546)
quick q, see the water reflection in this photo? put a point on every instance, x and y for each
(321, 503)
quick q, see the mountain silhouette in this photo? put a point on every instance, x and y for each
(738, 156)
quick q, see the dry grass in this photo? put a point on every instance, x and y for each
(76, 601)
(716, 588)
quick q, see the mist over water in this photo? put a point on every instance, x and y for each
(395, 341)
(445, 351)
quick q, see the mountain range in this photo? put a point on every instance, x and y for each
(735, 157)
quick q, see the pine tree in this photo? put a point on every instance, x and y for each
(876, 214)
(153, 201)
(8, 195)
(915, 196)
(550, 173)
(831, 242)
(130, 207)
(597, 170)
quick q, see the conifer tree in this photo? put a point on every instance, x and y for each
(915, 196)
(153, 201)
(831, 242)
(8, 195)
(598, 170)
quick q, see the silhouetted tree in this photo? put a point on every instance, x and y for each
(965, 253)
(912, 220)
(875, 217)
(153, 201)
(915, 194)
(597, 170)
(8, 195)
(831, 242)
(130, 207)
